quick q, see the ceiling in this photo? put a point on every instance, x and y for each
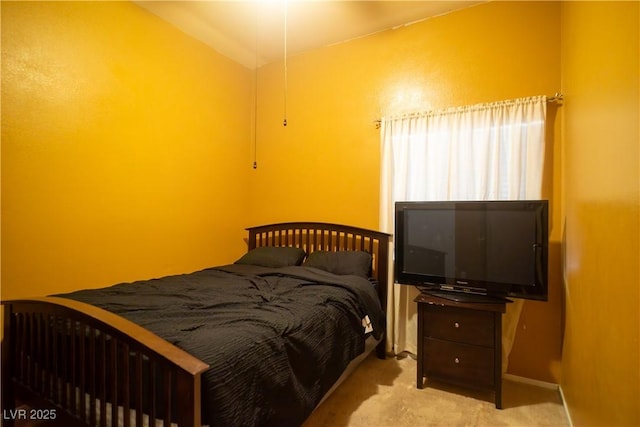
(252, 33)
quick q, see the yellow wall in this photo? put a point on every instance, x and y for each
(601, 358)
(325, 163)
(125, 148)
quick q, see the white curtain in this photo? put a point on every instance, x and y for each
(482, 152)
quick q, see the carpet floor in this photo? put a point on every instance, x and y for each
(384, 393)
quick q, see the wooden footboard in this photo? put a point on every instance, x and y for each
(82, 365)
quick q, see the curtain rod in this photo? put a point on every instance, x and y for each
(557, 97)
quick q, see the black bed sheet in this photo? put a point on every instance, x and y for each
(276, 338)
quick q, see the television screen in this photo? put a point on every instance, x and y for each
(494, 248)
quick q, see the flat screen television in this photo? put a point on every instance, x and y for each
(473, 250)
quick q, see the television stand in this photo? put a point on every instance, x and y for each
(460, 343)
(468, 297)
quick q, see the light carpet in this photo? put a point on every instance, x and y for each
(384, 393)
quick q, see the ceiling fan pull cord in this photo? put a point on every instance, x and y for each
(255, 93)
(284, 123)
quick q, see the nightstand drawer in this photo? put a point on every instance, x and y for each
(459, 363)
(459, 325)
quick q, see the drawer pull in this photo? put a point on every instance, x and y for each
(456, 360)
(456, 324)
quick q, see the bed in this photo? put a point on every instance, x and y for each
(258, 342)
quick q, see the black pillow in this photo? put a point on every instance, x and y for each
(273, 256)
(341, 262)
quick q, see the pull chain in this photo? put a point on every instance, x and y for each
(255, 97)
(255, 117)
(284, 122)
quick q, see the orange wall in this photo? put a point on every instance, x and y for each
(126, 155)
(325, 163)
(123, 156)
(601, 357)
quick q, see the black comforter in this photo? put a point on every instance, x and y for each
(276, 339)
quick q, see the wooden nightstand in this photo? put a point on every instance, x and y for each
(460, 343)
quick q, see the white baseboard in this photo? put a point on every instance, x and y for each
(566, 409)
(543, 384)
(519, 379)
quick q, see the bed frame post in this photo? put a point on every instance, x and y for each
(383, 289)
(189, 389)
(8, 401)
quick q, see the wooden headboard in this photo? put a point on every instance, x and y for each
(314, 236)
